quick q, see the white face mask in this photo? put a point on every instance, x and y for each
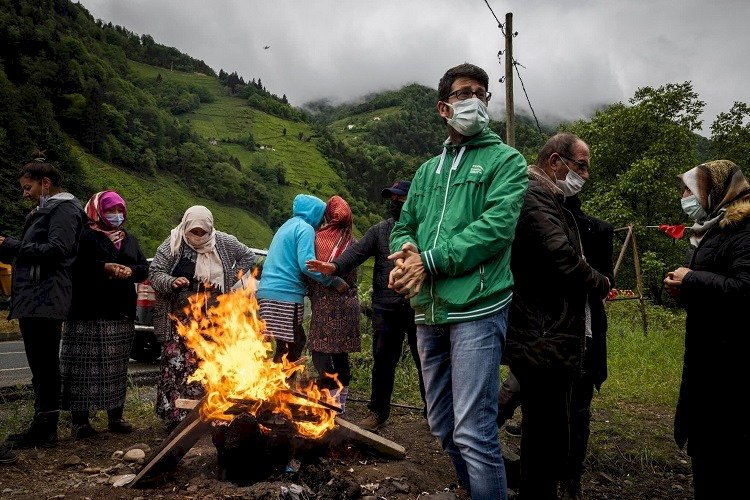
(571, 185)
(115, 220)
(469, 116)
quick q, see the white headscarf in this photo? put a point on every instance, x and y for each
(208, 266)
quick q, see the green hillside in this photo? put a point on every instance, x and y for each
(289, 146)
(156, 204)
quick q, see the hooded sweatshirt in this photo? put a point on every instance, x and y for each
(461, 214)
(292, 246)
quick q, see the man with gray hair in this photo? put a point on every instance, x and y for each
(547, 320)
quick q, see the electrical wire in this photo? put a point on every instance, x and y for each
(516, 64)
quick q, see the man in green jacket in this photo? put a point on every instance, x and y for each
(452, 251)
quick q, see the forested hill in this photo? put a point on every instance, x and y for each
(116, 110)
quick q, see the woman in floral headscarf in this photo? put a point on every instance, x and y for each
(99, 332)
(714, 287)
(194, 258)
(334, 325)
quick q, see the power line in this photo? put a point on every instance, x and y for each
(516, 64)
(499, 24)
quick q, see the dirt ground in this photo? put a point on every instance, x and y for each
(86, 469)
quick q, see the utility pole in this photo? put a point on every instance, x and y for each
(510, 127)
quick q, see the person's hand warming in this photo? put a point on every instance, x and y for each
(180, 282)
(118, 271)
(673, 280)
(321, 267)
(409, 274)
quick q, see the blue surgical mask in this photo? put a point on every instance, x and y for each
(692, 208)
(115, 220)
(469, 116)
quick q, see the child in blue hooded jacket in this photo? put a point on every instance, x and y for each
(282, 288)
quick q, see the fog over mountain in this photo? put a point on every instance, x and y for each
(577, 56)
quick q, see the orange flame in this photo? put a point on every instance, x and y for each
(235, 363)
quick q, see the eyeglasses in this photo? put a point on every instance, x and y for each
(463, 94)
(580, 164)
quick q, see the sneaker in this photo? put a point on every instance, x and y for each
(513, 430)
(371, 422)
(7, 456)
(121, 426)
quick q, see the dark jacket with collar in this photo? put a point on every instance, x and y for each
(43, 259)
(715, 377)
(597, 239)
(374, 243)
(95, 294)
(546, 325)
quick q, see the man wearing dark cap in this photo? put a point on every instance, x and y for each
(392, 316)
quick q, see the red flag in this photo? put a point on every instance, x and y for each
(676, 231)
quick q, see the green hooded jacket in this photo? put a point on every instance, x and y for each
(461, 214)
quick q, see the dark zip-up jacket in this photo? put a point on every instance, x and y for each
(715, 377)
(43, 259)
(546, 325)
(374, 243)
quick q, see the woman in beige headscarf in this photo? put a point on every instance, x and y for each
(714, 288)
(194, 258)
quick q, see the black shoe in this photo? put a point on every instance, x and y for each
(513, 430)
(41, 434)
(7, 456)
(121, 426)
(83, 431)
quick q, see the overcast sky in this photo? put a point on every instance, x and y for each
(578, 55)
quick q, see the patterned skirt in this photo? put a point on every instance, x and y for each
(281, 318)
(94, 363)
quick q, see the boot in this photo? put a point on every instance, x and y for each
(117, 423)
(81, 425)
(41, 434)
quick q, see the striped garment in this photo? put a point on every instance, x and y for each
(281, 318)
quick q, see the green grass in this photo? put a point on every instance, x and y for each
(230, 118)
(156, 204)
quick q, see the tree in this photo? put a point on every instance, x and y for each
(637, 150)
(730, 134)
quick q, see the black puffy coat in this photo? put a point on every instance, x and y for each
(546, 324)
(43, 259)
(712, 410)
(374, 243)
(95, 294)
(597, 239)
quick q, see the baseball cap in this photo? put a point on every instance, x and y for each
(399, 188)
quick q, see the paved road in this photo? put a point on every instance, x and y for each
(14, 370)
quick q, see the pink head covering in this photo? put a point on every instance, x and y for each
(109, 200)
(95, 209)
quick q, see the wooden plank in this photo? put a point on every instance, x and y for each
(175, 447)
(372, 440)
(186, 404)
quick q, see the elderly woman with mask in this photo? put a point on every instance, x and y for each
(195, 258)
(714, 287)
(99, 331)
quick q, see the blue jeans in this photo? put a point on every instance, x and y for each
(461, 370)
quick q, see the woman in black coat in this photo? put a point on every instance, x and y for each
(41, 290)
(100, 329)
(714, 287)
